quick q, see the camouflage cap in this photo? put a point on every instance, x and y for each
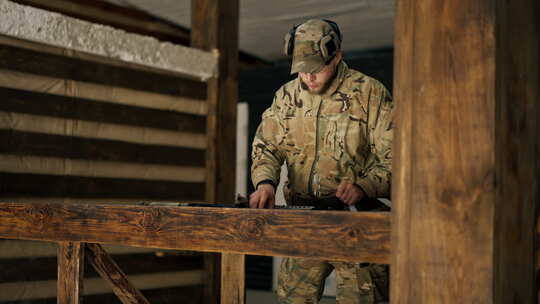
(307, 54)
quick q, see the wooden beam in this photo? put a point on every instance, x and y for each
(466, 156)
(113, 275)
(347, 236)
(28, 102)
(71, 147)
(44, 185)
(214, 26)
(70, 272)
(45, 268)
(233, 277)
(61, 66)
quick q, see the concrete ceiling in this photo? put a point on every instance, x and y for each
(366, 24)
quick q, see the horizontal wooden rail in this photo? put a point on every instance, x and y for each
(336, 235)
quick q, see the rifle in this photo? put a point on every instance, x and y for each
(366, 204)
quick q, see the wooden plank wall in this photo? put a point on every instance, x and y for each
(29, 272)
(72, 127)
(80, 128)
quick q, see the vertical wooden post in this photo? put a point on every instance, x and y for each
(466, 151)
(70, 272)
(215, 27)
(233, 277)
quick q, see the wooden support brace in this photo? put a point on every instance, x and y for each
(113, 275)
(70, 272)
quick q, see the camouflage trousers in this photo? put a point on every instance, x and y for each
(301, 281)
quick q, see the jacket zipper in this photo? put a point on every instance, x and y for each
(316, 159)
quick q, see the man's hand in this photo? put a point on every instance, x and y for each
(349, 193)
(263, 197)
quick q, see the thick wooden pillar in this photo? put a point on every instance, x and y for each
(466, 168)
(70, 272)
(215, 28)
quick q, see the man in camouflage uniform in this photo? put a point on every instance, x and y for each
(333, 127)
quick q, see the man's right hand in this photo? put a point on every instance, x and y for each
(263, 197)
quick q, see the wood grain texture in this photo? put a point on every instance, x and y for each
(402, 178)
(43, 269)
(517, 98)
(465, 144)
(182, 294)
(22, 101)
(43, 185)
(233, 277)
(113, 275)
(61, 146)
(30, 61)
(346, 236)
(70, 272)
(214, 26)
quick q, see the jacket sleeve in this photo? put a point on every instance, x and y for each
(266, 156)
(375, 179)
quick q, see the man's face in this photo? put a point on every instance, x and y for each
(317, 83)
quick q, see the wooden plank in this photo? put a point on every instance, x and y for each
(183, 294)
(233, 277)
(22, 101)
(463, 222)
(87, 129)
(92, 286)
(49, 145)
(104, 93)
(348, 236)
(214, 26)
(42, 269)
(41, 185)
(113, 275)
(29, 61)
(13, 249)
(517, 113)
(212, 275)
(70, 272)
(74, 167)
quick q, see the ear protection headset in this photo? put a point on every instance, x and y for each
(329, 44)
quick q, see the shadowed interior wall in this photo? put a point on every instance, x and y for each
(79, 128)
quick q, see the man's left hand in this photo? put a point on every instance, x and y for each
(349, 193)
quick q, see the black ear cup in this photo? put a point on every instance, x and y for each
(288, 45)
(328, 44)
(335, 28)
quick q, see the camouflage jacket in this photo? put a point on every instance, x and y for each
(342, 135)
